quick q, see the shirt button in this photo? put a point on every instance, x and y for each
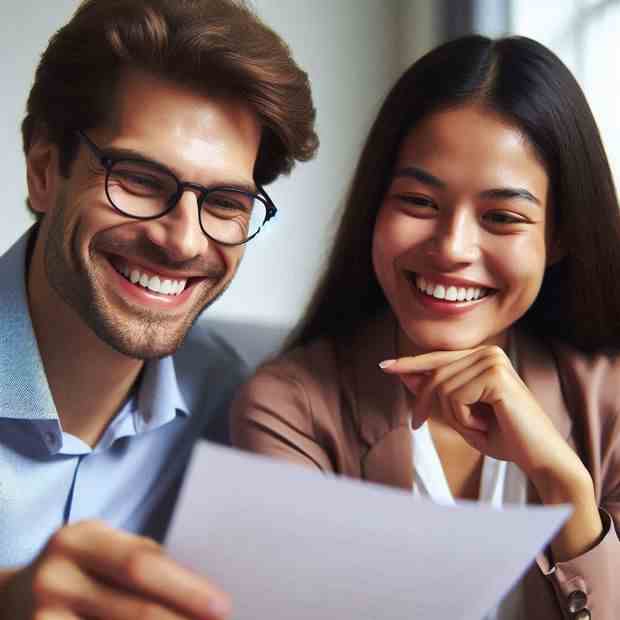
(583, 614)
(577, 601)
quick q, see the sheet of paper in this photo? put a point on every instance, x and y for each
(291, 543)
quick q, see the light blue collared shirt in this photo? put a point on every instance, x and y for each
(49, 478)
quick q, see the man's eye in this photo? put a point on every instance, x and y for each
(143, 181)
(223, 203)
(228, 201)
(138, 183)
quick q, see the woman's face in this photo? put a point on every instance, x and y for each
(463, 235)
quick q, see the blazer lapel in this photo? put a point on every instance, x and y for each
(380, 407)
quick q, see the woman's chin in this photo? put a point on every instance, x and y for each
(427, 342)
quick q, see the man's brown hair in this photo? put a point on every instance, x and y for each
(219, 47)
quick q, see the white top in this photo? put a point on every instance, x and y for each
(500, 483)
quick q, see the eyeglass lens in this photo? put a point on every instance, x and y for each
(142, 190)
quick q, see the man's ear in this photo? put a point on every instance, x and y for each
(42, 173)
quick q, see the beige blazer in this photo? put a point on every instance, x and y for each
(330, 407)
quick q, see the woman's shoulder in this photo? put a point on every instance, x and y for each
(588, 364)
(591, 376)
(313, 363)
(327, 362)
(303, 382)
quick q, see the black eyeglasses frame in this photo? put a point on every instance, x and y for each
(107, 162)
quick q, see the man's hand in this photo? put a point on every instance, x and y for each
(90, 571)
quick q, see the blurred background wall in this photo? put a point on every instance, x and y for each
(353, 50)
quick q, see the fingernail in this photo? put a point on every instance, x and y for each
(220, 607)
(386, 363)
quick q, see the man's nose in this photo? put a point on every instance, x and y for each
(457, 238)
(178, 232)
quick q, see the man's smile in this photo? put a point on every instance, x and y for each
(149, 280)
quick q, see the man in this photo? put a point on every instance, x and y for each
(151, 128)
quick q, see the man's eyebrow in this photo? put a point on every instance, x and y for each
(122, 153)
(508, 193)
(413, 172)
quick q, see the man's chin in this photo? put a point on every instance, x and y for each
(144, 340)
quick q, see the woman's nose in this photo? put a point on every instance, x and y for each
(457, 238)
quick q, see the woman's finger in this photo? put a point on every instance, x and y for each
(463, 393)
(56, 614)
(424, 363)
(432, 389)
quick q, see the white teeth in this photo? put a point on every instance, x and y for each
(153, 283)
(449, 293)
(439, 292)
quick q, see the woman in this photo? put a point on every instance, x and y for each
(459, 344)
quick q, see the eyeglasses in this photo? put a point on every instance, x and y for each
(145, 190)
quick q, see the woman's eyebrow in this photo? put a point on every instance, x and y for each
(499, 193)
(413, 172)
(508, 193)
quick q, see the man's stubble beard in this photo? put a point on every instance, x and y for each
(140, 333)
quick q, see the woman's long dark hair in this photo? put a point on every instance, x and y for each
(532, 89)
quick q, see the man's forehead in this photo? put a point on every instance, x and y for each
(191, 133)
(142, 96)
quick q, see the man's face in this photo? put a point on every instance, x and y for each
(139, 285)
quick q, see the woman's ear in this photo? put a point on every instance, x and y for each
(42, 173)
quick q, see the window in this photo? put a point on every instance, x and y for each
(583, 34)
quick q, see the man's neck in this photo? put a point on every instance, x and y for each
(89, 380)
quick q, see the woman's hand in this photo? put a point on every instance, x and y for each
(479, 394)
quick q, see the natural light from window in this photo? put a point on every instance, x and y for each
(584, 34)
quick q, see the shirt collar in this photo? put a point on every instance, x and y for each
(24, 391)
(159, 397)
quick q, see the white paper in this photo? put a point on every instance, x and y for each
(290, 543)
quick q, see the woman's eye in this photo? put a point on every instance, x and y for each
(501, 217)
(416, 200)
